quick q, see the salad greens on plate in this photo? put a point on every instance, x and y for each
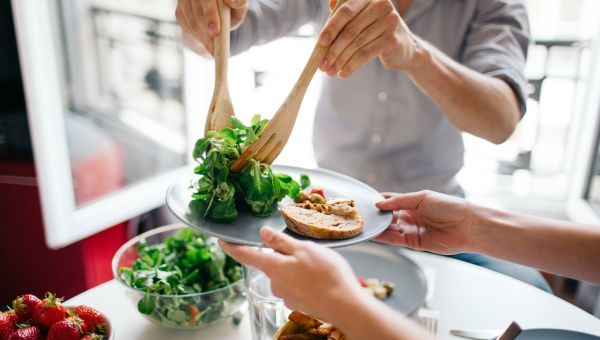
(220, 193)
(174, 273)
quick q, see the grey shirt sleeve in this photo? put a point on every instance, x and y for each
(496, 43)
(268, 20)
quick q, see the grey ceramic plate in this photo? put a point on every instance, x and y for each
(371, 259)
(245, 230)
(554, 334)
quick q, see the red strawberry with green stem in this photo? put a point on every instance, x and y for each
(49, 311)
(92, 318)
(79, 322)
(26, 333)
(24, 306)
(8, 322)
(92, 336)
(69, 329)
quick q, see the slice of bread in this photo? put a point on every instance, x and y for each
(303, 219)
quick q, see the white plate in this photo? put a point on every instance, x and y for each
(245, 230)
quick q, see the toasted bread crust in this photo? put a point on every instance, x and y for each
(346, 228)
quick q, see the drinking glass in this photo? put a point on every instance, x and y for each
(267, 312)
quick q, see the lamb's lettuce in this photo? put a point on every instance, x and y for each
(184, 264)
(220, 192)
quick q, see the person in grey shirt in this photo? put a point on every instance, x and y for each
(406, 78)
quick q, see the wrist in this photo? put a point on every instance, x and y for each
(348, 303)
(487, 228)
(421, 58)
(377, 321)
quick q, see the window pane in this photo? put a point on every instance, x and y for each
(123, 81)
(593, 194)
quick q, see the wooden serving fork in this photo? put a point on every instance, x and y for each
(276, 134)
(221, 108)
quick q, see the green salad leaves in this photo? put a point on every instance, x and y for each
(219, 193)
(183, 264)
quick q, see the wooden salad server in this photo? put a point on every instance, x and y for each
(276, 134)
(221, 108)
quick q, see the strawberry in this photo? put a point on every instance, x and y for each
(24, 306)
(79, 322)
(68, 329)
(92, 336)
(8, 322)
(27, 333)
(49, 311)
(92, 318)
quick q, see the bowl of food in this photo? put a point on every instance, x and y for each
(179, 278)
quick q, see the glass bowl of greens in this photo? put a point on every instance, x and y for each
(179, 277)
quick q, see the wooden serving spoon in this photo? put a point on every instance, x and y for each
(221, 108)
(276, 134)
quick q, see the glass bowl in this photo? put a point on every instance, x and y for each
(190, 311)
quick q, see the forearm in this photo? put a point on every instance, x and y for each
(364, 317)
(559, 247)
(475, 103)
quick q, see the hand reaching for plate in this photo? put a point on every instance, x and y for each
(318, 281)
(301, 269)
(429, 221)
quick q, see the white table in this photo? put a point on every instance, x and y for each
(465, 295)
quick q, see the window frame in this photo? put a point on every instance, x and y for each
(579, 209)
(40, 58)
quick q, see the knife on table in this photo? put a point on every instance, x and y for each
(510, 333)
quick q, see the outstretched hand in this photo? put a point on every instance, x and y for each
(310, 278)
(429, 221)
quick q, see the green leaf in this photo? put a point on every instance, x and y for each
(224, 211)
(200, 147)
(193, 276)
(255, 120)
(146, 304)
(236, 123)
(177, 316)
(126, 274)
(229, 136)
(304, 181)
(293, 190)
(284, 178)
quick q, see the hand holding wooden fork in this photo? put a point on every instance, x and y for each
(276, 134)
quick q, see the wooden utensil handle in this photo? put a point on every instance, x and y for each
(316, 58)
(222, 45)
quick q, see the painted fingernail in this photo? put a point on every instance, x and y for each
(325, 65)
(212, 28)
(325, 38)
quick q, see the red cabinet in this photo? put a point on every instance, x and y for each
(27, 264)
